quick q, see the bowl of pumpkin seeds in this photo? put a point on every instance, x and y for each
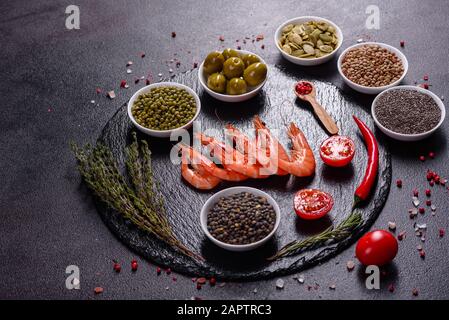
(308, 40)
(164, 108)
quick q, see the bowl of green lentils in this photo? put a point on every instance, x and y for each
(163, 108)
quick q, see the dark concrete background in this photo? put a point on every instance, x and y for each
(48, 78)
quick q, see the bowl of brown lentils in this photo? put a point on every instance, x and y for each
(163, 108)
(240, 218)
(372, 67)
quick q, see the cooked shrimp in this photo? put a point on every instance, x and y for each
(269, 149)
(302, 163)
(196, 174)
(242, 143)
(231, 158)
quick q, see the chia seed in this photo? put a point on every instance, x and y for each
(242, 218)
(407, 111)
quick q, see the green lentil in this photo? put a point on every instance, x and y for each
(164, 108)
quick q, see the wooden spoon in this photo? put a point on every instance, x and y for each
(324, 117)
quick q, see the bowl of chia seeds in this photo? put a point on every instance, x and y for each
(240, 218)
(408, 113)
(163, 108)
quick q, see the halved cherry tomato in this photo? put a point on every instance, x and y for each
(377, 247)
(311, 204)
(337, 151)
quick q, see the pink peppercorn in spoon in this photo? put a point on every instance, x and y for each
(306, 91)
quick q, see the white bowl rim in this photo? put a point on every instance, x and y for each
(257, 88)
(213, 198)
(400, 54)
(411, 135)
(311, 18)
(162, 84)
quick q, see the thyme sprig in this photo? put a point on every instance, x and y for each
(342, 231)
(140, 200)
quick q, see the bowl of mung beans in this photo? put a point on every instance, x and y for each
(372, 67)
(240, 218)
(163, 108)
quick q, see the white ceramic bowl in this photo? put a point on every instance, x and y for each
(304, 61)
(372, 90)
(230, 191)
(252, 91)
(409, 137)
(162, 133)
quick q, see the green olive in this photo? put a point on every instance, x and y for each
(229, 53)
(217, 82)
(213, 62)
(236, 86)
(255, 74)
(249, 59)
(233, 68)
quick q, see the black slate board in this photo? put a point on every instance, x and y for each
(277, 106)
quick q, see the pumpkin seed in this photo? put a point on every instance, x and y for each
(308, 49)
(326, 48)
(312, 39)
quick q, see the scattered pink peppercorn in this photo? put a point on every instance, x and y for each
(428, 203)
(117, 267)
(426, 77)
(98, 90)
(401, 235)
(431, 155)
(422, 158)
(422, 254)
(221, 38)
(431, 183)
(98, 290)
(122, 84)
(441, 233)
(158, 271)
(147, 82)
(415, 193)
(399, 183)
(429, 175)
(134, 265)
(198, 286)
(168, 271)
(415, 292)
(425, 85)
(212, 281)
(391, 288)
(402, 43)
(422, 210)
(428, 192)
(174, 279)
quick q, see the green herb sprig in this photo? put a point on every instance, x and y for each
(140, 200)
(342, 231)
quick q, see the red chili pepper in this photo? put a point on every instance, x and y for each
(369, 179)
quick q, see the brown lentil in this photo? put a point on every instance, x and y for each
(407, 111)
(372, 66)
(242, 218)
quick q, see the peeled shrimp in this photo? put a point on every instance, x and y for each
(196, 174)
(231, 158)
(269, 149)
(302, 163)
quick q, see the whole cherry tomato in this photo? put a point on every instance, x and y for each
(377, 247)
(312, 204)
(337, 151)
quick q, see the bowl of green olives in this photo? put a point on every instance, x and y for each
(232, 75)
(308, 40)
(163, 108)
